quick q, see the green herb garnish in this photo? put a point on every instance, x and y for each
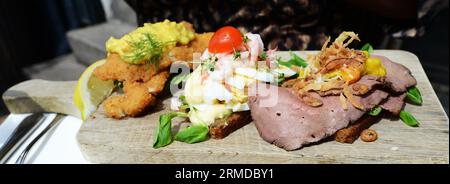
(295, 60)
(182, 78)
(281, 78)
(118, 84)
(263, 55)
(414, 96)
(209, 63)
(183, 99)
(193, 134)
(146, 49)
(375, 111)
(184, 104)
(409, 119)
(236, 54)
(246, 39)
(162, 135)
(367, 47)
(184, 107)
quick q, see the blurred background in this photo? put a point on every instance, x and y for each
(57, 39)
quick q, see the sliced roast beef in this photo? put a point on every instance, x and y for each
(398, 78)
(289, 123)
(366, 84)
(284, 120)
(394, 104)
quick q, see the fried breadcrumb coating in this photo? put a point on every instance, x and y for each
(143, 82)
(137, 97)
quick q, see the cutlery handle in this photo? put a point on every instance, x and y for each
(25, 152)
(38, 96)
(22, 131)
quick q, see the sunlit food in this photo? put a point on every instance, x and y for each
(139, 63)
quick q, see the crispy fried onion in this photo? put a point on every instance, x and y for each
(331, 58)
(360, 89)
(332, 92)
(343, 36)
(300, 89)
(338, 54)
(289, 83)
(303, 89)
(325, 86)
(310, 100)
(351, 98)
(355, 62)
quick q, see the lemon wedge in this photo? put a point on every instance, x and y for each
(91, 91)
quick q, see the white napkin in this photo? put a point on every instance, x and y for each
(58, 146)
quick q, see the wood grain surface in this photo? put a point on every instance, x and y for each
(34, 96)
(105, 140)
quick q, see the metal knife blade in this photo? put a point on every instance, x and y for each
(20, 133)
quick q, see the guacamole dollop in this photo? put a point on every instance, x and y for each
(148, 43)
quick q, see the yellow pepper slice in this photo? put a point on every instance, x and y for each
(332, 74)
(374, 66)
(366, 53)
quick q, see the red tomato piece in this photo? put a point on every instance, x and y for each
(225, 40)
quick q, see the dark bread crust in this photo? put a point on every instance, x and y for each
(223, 127)
(352, 132)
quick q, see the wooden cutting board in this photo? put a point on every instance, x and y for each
(105, 140)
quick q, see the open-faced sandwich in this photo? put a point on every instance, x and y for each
(139, 63)
(341, 87)
(295, 102)
(339, 91)
(215, 96)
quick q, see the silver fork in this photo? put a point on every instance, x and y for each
(23, 130)
(23, 155)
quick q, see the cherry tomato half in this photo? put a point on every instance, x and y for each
(225, 40)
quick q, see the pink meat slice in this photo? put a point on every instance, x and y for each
(398, 78)
(394, 104)
(290, 124)
(370, 81)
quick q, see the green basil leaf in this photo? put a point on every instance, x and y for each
(414, 95)
(295, 60)
(193, 134)
(367, 47)
(409, 119)
(375, 111)
(162, 135)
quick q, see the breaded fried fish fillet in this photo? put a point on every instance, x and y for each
(142, 82)
(137, 97)
(196, 46)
